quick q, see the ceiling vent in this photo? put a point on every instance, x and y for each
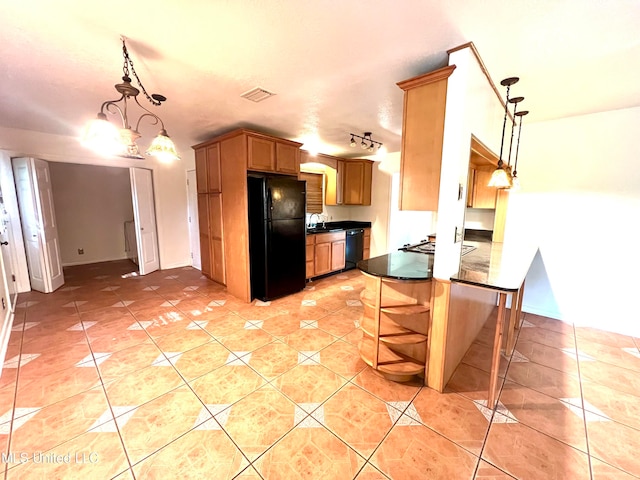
(257, 94)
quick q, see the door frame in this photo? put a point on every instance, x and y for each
(192, 212)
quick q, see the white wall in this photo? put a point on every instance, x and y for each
(472, 107)
(378, 212)
(407, 226)
(479, 218)
(92, 203)
(580, 198)
(170, 184)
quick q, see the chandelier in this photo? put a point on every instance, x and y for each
(106, 138)
(366, 142)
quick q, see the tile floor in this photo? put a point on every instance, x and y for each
(166, 376)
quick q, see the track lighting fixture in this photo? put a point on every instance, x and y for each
(366, 142)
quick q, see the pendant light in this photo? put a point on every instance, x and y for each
(501, 177)
(516, 180)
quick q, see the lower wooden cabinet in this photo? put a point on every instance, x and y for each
(325, 253)
(211, 236)
(366, 245)
(338, 254)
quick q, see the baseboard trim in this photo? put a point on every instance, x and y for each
(542, 312)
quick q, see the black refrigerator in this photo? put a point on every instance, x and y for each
(277, 206)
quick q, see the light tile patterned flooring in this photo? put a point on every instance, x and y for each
(167, 376)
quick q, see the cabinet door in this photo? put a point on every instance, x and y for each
(216, 241)
(287, 159)
(333, 184)
(338, 252)
(213, 168)
(483, 195)
(205, 236)
(353, 183)
(470, 185)
(366, 246)
(366, 187)
(202, 178)
(422, 133)
(218, 271)
(261, 154)
(322, 258)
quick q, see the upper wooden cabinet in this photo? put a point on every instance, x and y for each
(269, 154)
(208, 169)
(357, 182)
(349, 183)
(479, 195)
(422, 134)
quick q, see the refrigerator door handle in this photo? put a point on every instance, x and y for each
(269, 204)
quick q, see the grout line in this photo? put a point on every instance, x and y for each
(104, 390)
(15, 392)
(584, 415)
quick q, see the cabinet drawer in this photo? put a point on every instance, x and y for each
(310, 239)
(329, 237)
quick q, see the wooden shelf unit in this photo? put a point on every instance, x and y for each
(395, 326)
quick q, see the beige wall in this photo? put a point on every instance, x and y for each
(580, 199)
(92, 203)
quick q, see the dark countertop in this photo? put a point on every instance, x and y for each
(400, 265)
(494, 265)
(338, 226)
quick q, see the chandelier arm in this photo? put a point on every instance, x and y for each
(156, 118)
(112, 107)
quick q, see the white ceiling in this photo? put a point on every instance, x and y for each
(333, 64)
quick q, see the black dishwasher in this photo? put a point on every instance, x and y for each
(355, 245)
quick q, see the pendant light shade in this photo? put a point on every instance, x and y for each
(163, 148)
(500, 178)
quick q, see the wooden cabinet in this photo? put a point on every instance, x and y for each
(395, 326)
(325, 253)
(205, 234)
(208, 169)
(310, 254)
(216, 238)
(366, 246)
(357, 182)
(349, 183)
(479, 195)
(338, 254)
(222, 164)
(422, 136)
(211, 241)
(267, 154)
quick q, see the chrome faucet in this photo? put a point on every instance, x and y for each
(311, 224)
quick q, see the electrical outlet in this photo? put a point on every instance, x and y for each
(460, 189)
(81, 251)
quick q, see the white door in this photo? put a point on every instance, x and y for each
(144, 215)
(5, 253)
(194, 230)
(39, 227)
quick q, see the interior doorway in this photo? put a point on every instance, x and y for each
(93, 205)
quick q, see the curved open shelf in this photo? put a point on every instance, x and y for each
(391, 332)
(389, 362)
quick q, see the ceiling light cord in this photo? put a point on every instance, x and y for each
(155, 98)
